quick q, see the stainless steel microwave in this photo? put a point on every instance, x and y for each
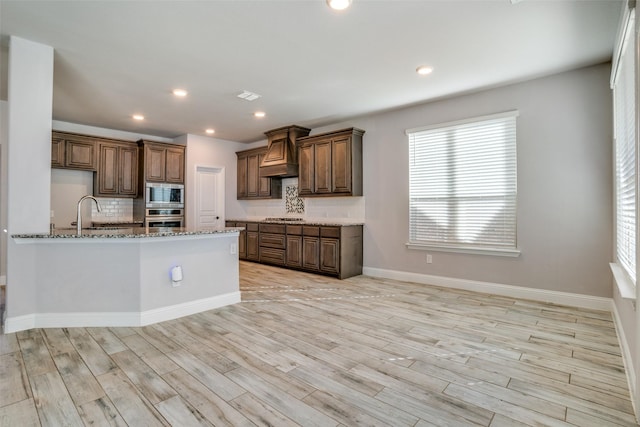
(161, 195)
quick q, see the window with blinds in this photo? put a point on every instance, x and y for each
(463, 184)
(625, 153)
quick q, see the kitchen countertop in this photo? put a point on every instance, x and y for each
(311, 221)
(135, 232)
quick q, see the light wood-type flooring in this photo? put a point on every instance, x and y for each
(308, 350)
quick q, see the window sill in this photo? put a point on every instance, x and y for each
(625, 286)
(465, 250)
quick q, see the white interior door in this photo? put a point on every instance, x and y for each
(209, 196)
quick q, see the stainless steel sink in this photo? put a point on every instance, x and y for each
(92, 228)
(105, 228)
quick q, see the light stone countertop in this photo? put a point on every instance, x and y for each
(327, 222)
(135, 232)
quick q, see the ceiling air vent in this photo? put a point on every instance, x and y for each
(248, 96)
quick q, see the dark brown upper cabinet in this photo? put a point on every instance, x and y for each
(117, 173)
(250, 184)
(163, 162)
(73, 151)
(330, 164)
(114, 161)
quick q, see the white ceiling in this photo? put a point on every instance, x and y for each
(313, 66)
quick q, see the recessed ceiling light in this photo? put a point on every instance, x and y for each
(423, 70)
(248, 96)
(339, 4)
(210, 131)
(259, 114)
(180, 92)
(138, 117)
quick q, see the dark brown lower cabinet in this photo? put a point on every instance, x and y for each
(242, 240)
(311, 247)
(310, 253)
(329, 255)
(273, 244)
(294, 246)
(330, 250)
(253, 241)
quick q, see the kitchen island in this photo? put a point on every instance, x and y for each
(119, 277)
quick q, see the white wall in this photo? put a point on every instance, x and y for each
(211, 152)
(30, 106)
(564, 184)
(30, 94)
(104, 132)
(4, 137)
(67, 187)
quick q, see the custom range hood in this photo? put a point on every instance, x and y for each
(281, 159)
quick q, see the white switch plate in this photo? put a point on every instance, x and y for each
(429, 259)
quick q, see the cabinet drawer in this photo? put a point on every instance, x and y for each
(309, 230)
(295, 230)
(272, 228)
(252, 226)
(241, 224)
(272, 256)
(270, 240)
(330, 232)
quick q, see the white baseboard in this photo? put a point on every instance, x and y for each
(115, 319)
(3, 280)
(186, 309)
(626, 355)
(542, 295)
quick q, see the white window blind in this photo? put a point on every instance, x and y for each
(625, 152)
(463, 183)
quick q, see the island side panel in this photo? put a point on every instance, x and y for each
(88, 277)
(59, 283)
(210, 275)
(22, 277)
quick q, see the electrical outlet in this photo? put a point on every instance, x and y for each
(429, 259)
(233, 248)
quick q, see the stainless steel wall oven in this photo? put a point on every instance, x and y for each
(169, 217)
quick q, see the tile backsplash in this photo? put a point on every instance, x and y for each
(339, 208)
(113, 210)
(293, 203)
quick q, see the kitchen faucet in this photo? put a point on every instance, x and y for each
(79, 219)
